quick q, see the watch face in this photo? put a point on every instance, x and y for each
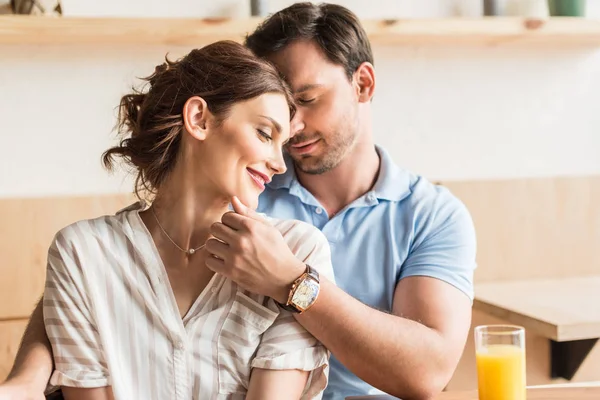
(305, 294)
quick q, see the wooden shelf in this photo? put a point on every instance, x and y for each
(195, 32)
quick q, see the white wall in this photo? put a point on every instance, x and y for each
(448, 113)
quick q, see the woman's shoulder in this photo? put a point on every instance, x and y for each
(307, 243)
(293, 230)
(99, 229)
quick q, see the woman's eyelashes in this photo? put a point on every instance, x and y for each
(264, 135)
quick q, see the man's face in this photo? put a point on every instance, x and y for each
(326, 123)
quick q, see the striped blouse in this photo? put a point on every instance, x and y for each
(112, 318)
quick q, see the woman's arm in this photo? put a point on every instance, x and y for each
(103, 393)
(269, 384)
(70, 322)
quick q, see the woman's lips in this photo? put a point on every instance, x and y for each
(258, 178)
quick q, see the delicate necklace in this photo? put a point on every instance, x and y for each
(189, 252)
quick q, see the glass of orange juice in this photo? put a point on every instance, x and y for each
(500, 353)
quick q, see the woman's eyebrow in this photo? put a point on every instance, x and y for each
(276, 124)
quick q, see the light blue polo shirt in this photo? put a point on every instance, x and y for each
(405, 226)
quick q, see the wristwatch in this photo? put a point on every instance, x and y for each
(304, 292)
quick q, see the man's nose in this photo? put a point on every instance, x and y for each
(297, 123)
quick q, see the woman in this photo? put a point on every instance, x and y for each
(131, 310)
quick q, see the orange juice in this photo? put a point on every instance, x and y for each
(501, 372)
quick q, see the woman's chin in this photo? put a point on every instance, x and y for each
(250, 201)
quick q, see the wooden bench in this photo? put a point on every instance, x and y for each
(27, 227)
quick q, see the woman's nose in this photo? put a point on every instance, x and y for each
(277, 163)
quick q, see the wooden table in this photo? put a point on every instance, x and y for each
(576, 393)
(559, 309)
(566, 311)
(557, 393)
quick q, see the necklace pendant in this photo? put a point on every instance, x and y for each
(191, 251)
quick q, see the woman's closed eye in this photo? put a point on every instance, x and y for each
(264, 135)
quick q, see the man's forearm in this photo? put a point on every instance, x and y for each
(397, 355)
(34, 363)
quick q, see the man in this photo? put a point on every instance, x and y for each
(403, 249)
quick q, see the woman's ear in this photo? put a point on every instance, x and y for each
(195, 117)
(364, 79)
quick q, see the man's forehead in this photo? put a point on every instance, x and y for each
(304, 77)
(300, 74)
(301, 62)
(298, 89)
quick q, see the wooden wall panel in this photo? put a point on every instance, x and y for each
(526, 228)
(534, 228)
(10, 338)
(27, 227)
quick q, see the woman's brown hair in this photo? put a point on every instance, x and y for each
(150, 122)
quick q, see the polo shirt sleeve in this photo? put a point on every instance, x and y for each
(72, 331)
(444, 245)
(286, 344)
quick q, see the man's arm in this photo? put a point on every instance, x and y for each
(33, 363)
(411, 354)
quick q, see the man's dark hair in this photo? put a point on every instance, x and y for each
(335, 29)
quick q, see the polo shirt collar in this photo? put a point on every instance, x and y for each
(393, 183)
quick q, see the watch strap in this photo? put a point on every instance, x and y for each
(310, 272)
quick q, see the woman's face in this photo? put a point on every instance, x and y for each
(240, 155)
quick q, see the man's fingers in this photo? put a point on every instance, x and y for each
(222, 232)
(242, 217)
(216, 265)
(217, 248)
(238, 206)
(244, 210)
(234, 221)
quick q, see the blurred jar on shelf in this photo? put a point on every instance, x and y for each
(37, 7)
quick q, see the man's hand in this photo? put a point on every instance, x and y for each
(12, 389)
(252, 253)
